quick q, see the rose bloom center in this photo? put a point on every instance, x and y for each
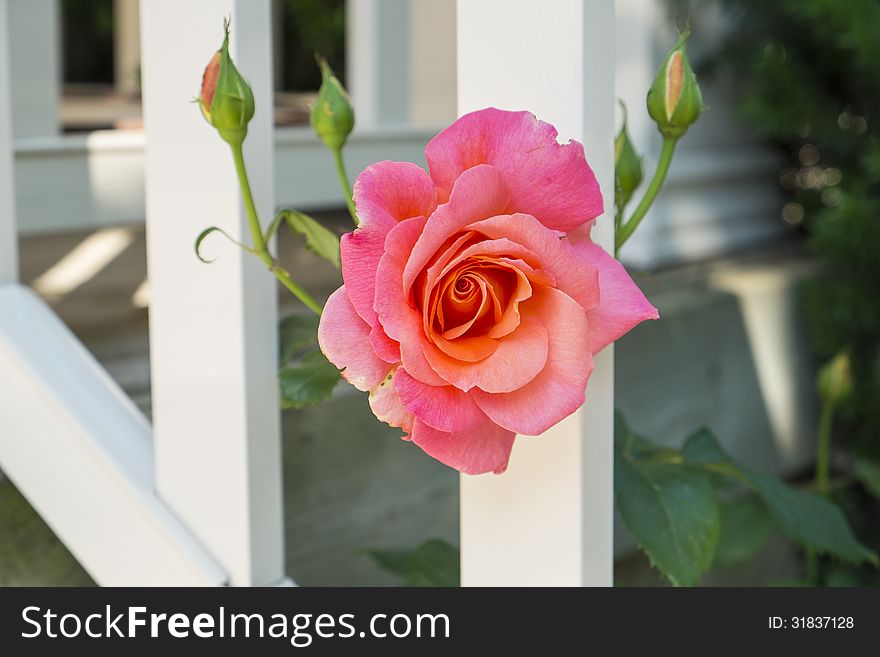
(468, 302)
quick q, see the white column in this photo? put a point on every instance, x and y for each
(8, 232)
(377, 60)
(35, 44)
(212, 327)
(126, 46)
(432, 62)
(547, 520)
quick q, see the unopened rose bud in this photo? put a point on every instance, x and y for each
(226, 100)
(835, 379)
(332, 116)
(628, 170)
(674, 100)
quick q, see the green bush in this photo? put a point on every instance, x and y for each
(808, 77)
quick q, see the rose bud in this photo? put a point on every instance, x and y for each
(674, 99)
(332, 116)
(835, 379)
(628, 169)
(226, 100)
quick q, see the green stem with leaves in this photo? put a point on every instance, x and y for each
(344, 183)
(260, 248)
(626, 229)
(823, 475)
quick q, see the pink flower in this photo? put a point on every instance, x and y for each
(467, 313)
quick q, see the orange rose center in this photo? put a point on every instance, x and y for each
(468, 302)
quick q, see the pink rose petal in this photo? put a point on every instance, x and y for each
(520, 356)
(385, 348)
(385, 193)
(547, 180)
(478, 194)
(622, 305)
(345, 340)
(386, 405)
(574, 276)
(401, 321)
(558, 391)
(442, 407)
(477, 450)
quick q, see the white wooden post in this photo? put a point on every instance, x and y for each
(35, 43)
(8, 232)
(548, 520)
(212, 327)
(432, 62)
(377, 60)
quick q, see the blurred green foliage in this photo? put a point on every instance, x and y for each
(311, 27)
(87, 43)
(808, 79)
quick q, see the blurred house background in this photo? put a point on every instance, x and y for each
(715, 256)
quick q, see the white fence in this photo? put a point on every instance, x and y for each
(209, 484)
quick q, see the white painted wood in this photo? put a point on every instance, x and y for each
(72, 442)
(432, 62)
(377, 60)
(549, 519)
(75, 182)
(80, 451)
(212, 328)
(35, 57)
(126, 46)
(8, 232)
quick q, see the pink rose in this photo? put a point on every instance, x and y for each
(467, 313)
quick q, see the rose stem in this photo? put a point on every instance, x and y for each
(628, 228)
(260, 248)
(344, 183)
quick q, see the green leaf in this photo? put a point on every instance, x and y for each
(702, 447)
(868, 473)
(810, 519)
(319, 240)
(395, 562)
(308, 383)
(433, 563)
(672, 511)
(746, 526)
(296, 333)
(807, 518)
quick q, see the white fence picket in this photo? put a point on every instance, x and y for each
(548, 519)
(35, 52)
(212, 327)
(8, 233)
(377, 60)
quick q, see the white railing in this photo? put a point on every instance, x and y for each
(197, 500)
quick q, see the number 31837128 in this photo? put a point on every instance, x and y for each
(811, 623)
